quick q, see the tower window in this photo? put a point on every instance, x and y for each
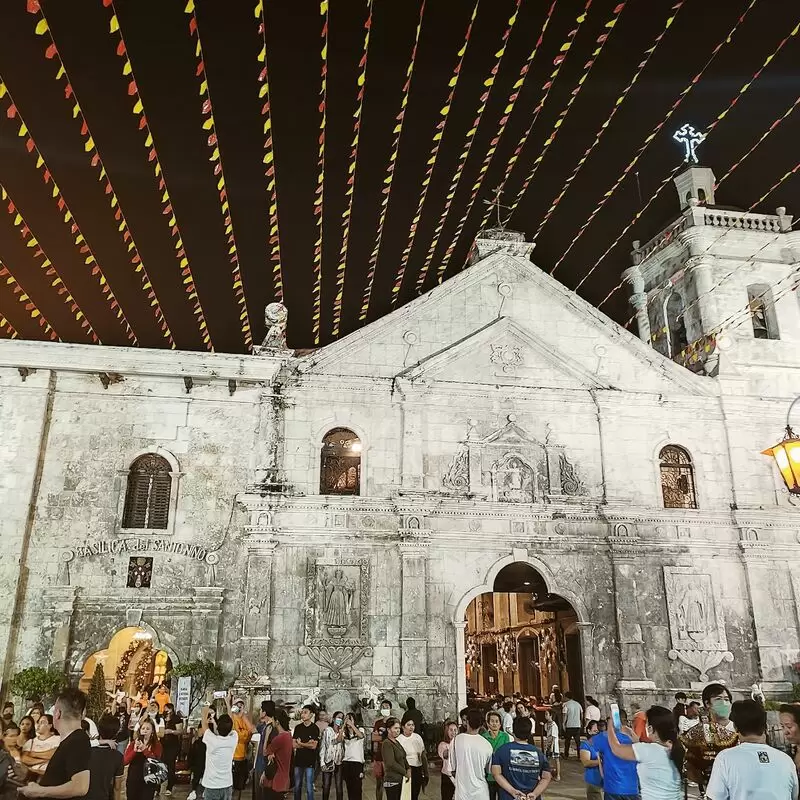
(148, 494)
(340, 464)
(762, 311)
(677, 478)
(676, 324)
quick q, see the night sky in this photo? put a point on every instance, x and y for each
(164, 64)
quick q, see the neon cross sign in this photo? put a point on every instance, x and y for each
(690, 139)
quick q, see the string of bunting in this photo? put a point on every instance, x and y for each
(8, 328)
(587, 68)
(85, 251)
(209, 125)
(466, 149)
(319, 193)
(351, 174)
(388, 180)
(604, 126)
(47, 266)
(30, 306)
(652, 135)
(167, 209)
(269, 157)
(742, 91)
(547, 87)
(441, 127)
(501, 129)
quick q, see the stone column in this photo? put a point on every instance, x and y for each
(627, 554)
(206, 619)
(412, 472)
(773, 636)
(257, 612)
(414, 621)
(586, 631)
(638, 299)
(707, 311)
(461, 662)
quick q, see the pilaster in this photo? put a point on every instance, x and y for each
(638, 299)
(413, 621)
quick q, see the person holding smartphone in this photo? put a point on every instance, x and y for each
(620, 781)
(353, 761)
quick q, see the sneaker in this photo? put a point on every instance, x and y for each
(192, 795)
(168, 793)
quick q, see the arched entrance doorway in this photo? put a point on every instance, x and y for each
(132, 662)
(521, 637)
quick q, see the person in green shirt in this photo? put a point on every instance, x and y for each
(497, 737)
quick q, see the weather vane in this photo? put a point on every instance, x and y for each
(495, 203)
(690, 139)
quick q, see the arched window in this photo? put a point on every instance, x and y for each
(677, 478)
(676, 324)
(147, 497)
(762, 311)
(340, 466)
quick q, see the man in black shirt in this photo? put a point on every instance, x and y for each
(306, 739)
(67, 774)
(105, 762)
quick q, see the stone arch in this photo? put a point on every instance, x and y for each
(553, 586)
(100, 641)
(315, 443)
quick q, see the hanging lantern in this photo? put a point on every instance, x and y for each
(787, 457)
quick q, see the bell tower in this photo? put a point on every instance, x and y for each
(695, 186)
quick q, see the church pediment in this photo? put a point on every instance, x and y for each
(503, 352)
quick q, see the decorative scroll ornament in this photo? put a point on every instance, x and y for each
(570, 483)
(335, 658)
(457, 476)
(506, 653)
(701, 660)
(472, 654)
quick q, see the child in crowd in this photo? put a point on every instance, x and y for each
(551, 745)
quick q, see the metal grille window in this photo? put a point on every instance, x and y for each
(677, 478)
(148, 494)
(340, 467)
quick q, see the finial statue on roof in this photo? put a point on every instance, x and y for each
(690, 138)
(495, 203)
(275, 316)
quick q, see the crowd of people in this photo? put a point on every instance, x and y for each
(488, 754)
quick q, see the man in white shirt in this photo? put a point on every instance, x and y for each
(691, 718)
(220, 740)
(470, 760)
(572, 712)
(752, 768)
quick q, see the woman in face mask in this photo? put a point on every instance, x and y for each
(331, 755)
(703, 742)
(659, 762)
(378, 735)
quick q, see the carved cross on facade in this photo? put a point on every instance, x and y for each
(690, 139)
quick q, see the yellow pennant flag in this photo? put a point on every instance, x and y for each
(114, 25)
(41, 27)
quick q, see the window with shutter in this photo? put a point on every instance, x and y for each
(148, 493)
(340, 467)
(677, 478)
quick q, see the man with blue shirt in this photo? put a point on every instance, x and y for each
(520, 769)
(620, 781)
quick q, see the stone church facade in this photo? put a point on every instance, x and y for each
(324, 521)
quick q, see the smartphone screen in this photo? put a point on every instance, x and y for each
(615, 718)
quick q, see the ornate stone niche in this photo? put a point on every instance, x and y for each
(696, 622)
(336, 619)
(510, 466)
(337, 602)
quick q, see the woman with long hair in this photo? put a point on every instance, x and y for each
(396, 770)
(790, 720)
(27, 731)
(144, 745)
(590, 760)
(659, 762)
(415, 756)
(450, 733)
(37, 752)
(353, 763)
(171, 742)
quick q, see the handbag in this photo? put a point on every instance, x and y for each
(155, 771)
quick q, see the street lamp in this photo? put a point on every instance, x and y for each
(787, 455)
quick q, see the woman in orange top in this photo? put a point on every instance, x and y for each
(161, 696)
(245, 729)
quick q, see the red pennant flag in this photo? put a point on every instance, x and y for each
(201, 67)
(121, 45)
(51, 51)
(193, 25)
(34, 7)
(12, 111)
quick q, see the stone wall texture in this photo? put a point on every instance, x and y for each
(501, 419)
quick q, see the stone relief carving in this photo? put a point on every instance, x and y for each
(507, 357)
(570, 483)
(457, 476)
(337, 602)
(696, 623)
(513, 481)
(257, 605)
(334, 659)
